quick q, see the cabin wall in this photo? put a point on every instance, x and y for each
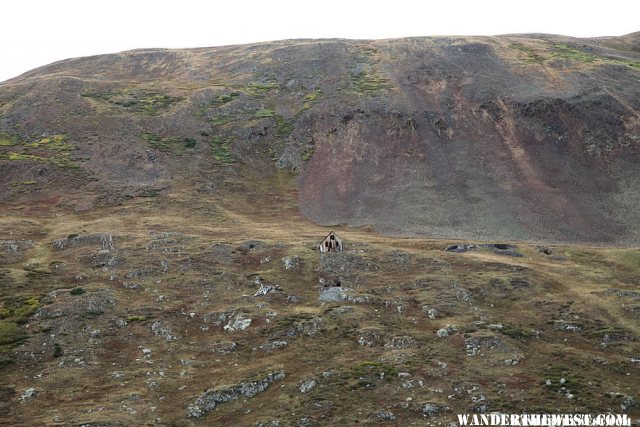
(329, 245)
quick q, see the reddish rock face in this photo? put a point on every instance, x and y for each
(523, 137)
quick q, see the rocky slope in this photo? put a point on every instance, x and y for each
(525, 137)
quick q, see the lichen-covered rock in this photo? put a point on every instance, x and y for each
(432, 313)
(142, 272)
(14, 250)
(212, 398)
(273, 345)
(562, 325)
(97, 302)
(446, 331)
(14, 246)
(104, 241)
(224, 347)
(307, 386)
(400, 343)
(332, 294)
(626, 402)
(238, 323)
(159, 329)
(265, 289)
(474, 344)
(369, 337)
(431, 409)
(342, 311)
(291, 262)
(218, 318)
(103, 259)
(382, 415)
(28, 394)
(309, 327)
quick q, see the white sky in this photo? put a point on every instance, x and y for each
(38, 32)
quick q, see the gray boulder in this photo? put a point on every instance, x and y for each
(291, 262)
(308, 385)
(212, 398)
(431, 409)
(159, 329)
(104, 241)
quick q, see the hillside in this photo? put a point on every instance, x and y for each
(160, 212)
(185, 313)
(531, 137)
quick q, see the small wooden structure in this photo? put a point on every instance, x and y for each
(331, 243)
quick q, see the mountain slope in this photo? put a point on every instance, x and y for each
(158, 264)
(526, 137)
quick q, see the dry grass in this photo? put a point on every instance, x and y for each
(105, 376)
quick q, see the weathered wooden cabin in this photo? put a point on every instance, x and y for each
(331, 243)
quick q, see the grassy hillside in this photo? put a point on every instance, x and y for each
(127, 314)
(160, 212)
(527, 137)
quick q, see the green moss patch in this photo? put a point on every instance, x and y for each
(14, 312)
(53, 149)
(311, 99)
(223, 120)
(307, 154)
(631, 259)
(314, 96)
(55, 143)
(264, 113)
(168, 143)
(62, 161)
(527, 54)
(515, 332)
(259, 89)
(217, 101)
(567, 52)
(137, 101)
(8, 140)
(10, 333)
(58, 142)
(19, 309)
(224, 98)
(369, 82)
(23, 156)
(283, 126)
(220, 149)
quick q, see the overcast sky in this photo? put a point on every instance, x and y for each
(38, 32)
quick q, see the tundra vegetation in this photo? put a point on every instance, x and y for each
(161, 210)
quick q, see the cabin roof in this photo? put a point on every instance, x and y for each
(325, 237)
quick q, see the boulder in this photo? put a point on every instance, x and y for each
(214, 397)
